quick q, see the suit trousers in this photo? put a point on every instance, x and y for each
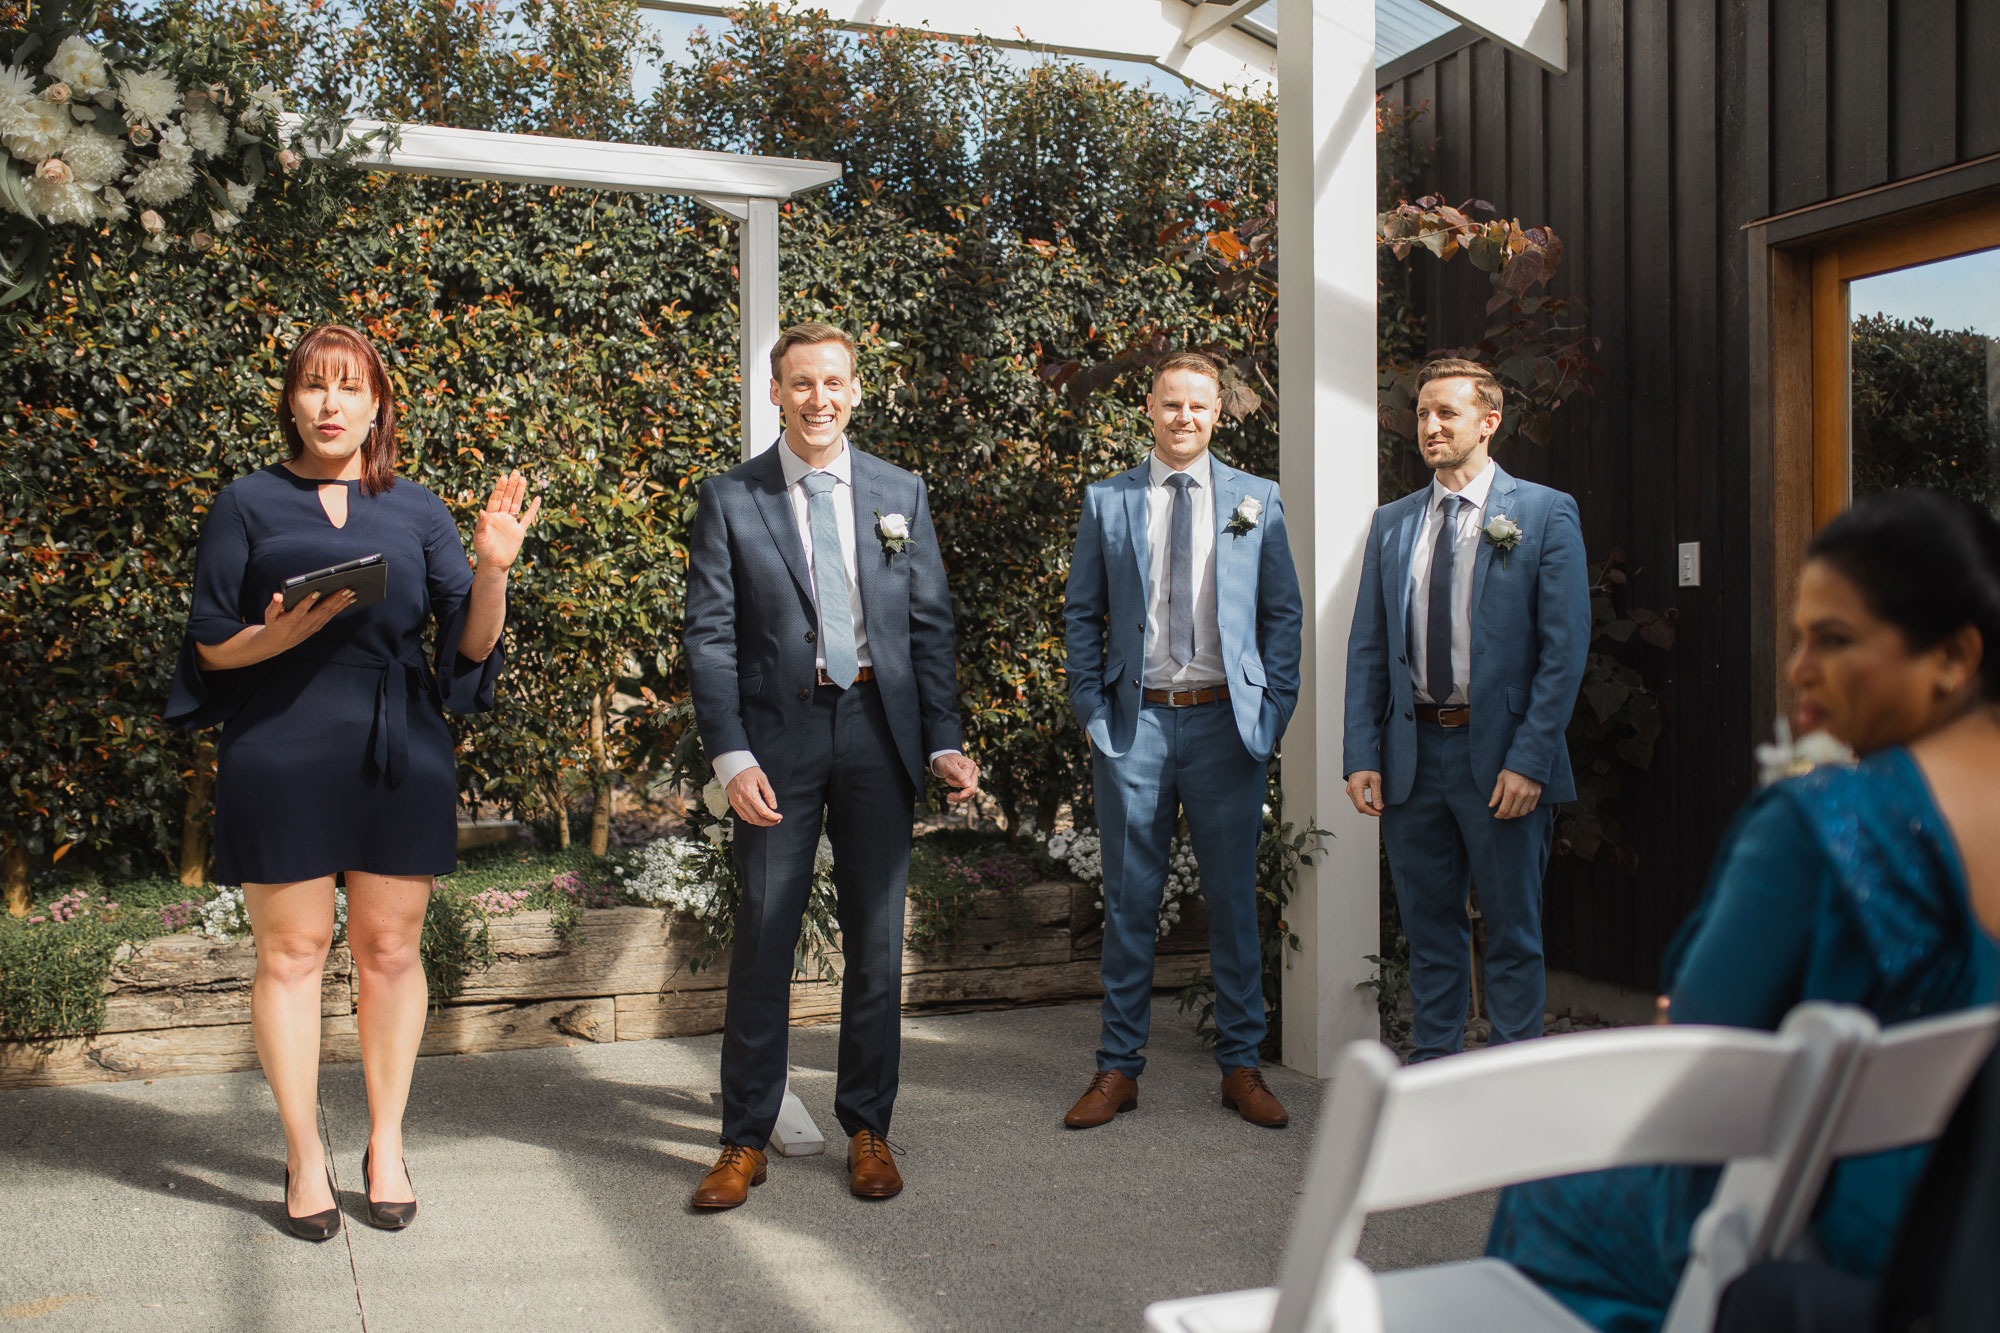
(1193, 761)
(842, 768)
(1441, 842)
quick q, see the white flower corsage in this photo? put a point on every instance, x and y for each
(894, 530)
(1503, 534)
(1788, 758)
(1249, 512)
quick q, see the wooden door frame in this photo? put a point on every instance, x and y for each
(1799, 266)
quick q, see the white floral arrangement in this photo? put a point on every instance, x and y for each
(1080, 854)
(225, 917)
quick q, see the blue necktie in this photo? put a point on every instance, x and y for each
(1437, 627)
(1180, 572)
(836, 615)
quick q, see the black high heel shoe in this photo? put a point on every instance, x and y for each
(388, 1216)
(313, 1226)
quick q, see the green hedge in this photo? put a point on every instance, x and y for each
(992, 220)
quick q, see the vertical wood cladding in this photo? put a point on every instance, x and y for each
(1678, 122)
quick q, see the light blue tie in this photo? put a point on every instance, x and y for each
(836, 614)
(1180, 571)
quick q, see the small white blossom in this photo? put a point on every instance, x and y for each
(34, 131)
(224, 917)
(264, 105)
(174, 145)
(716, 833)
(1786, 758)
(97, 159)
(57, 93)
(152, 222)
(17, 85)
(239, 197)
(55, 171)
(159, 245)
(78, 64)
(222, 219)
(150, 96)
(162, 182)
(716, 797)
(111, 205)
(207, 133)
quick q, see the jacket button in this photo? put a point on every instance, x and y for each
(804, 695)
(1142, 627)
(1400, 661)
(810, 636)
(1407, 717)
(1135, 680)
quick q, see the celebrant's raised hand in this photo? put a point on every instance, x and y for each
(497, 535)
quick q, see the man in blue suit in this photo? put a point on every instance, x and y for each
(1469, 640)
(1183, 619)
(819, 643)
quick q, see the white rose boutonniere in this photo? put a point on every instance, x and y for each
(716, 797)
(1503, 534)
(894, 530)
(1249, 513)
(1788, 758)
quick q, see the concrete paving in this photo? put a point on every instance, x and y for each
(554, 1188)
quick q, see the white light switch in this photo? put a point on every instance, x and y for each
(1690, 564)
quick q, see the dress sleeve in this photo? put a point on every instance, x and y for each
(1742, 959)
(462, 685)
(200, 697)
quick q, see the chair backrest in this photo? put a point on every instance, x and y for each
(1901, 1091)
(1395, 1137)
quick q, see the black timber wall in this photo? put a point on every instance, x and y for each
(1678, 122)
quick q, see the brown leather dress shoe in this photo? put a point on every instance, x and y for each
(1110, 1093)
(728, 1182)
(1244, 1090)
(871, 1167)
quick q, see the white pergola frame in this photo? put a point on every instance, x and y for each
(1321, 64)
(739, 185)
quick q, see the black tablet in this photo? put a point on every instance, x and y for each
(368, 576)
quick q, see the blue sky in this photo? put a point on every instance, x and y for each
(1961, 293)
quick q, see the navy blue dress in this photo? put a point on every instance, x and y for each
(334, 755)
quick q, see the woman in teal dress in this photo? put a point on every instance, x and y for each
(1843, 884)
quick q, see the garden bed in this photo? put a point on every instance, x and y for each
(180, 1004)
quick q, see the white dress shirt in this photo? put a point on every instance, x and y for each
(1465, 543)
(841, 468)
(1161, 671)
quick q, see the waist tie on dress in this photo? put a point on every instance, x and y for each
(390, 736)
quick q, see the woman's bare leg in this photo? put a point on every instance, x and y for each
(293, 925)
(385, 922)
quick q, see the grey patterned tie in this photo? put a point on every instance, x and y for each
(1437, 625)
(836, 614)
(1180, 572)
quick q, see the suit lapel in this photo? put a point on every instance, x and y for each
(776, 507)
(1135, 522)
(1498, 501)
(1402, 553)
(868, 551)
(1228, 483)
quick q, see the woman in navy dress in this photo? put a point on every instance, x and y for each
(334, 757)
(1849, 883)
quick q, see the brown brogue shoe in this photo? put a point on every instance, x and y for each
(728, 1182)
(1245, 1091)
(1110, 1093)
(871, 1167)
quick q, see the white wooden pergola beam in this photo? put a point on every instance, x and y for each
(1538, 29)
(1155, 32)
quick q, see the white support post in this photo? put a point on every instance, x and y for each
(1326, 281)
(757, 304)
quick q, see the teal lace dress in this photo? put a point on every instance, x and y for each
(1842, 885)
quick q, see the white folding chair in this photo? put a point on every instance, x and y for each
(1393, 1137)
(1899, 1090)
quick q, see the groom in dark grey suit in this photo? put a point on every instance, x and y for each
(819, 642)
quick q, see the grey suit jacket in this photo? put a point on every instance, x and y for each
(750, 624)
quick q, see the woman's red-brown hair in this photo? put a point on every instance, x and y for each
(333, 350)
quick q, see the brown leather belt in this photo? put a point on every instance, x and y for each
(865, 673)
(1207, 694)
(1445, 717)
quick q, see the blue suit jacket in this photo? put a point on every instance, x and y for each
(1530, 638)
(1258, 610)
(750, 618)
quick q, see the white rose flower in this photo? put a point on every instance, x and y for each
(152, 222)
(200, 242)
(288, 159)
(161, 182)
(78, 64)
(1251, 507)
(717, 834)
(239, 203)
(174, 146)
(151, 97)
(207, 133)
(17, 84)
(97, 159)
(1502, 527)
(58, 93)
(716, 797)
(55, 171)
(895, 526)
(35, 131)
